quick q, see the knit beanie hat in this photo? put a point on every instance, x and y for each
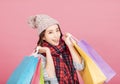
(41, 22)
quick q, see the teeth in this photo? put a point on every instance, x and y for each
(55, 41)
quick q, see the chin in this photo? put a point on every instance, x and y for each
(55, 44)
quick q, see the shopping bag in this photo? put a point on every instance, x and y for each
(36, 76)
(24, 72)
(41, 75)
(106, 69)
(91, 73)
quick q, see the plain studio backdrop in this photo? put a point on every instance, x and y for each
(96, 21)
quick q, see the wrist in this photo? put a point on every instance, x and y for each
(47, 50)
(50, 72)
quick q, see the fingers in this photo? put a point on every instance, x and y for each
(42, 49)
(67, 35)
(68, 38)
(38, 47)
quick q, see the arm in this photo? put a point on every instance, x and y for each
(47, 79)
(48, 66)
(78, 61)
(76, 57)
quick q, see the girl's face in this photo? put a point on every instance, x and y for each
(52, 35)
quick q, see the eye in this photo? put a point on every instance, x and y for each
(50, 32)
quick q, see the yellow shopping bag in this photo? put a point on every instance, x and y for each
(91, 73)
(41, 75)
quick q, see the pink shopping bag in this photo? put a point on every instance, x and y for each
(36, 76)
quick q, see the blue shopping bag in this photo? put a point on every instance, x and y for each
(105, 68)
(24, 72)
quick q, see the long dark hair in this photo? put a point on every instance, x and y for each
(40, 41)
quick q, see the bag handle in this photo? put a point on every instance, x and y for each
(36, 51)
(74, 38)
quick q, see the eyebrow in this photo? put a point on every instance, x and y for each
(52, 30)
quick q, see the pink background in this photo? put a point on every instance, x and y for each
(96, 21)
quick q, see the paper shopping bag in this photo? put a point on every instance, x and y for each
(91, 73)
(36, 76)
(41, 75)
(24, 72)
(106, 69)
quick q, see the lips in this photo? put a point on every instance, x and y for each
(56, 41)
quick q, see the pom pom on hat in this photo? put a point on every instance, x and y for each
(41, 22)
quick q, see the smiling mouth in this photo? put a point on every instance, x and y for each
(56, 41)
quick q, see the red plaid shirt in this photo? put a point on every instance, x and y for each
(65, 71)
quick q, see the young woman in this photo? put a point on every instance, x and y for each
(59, 58)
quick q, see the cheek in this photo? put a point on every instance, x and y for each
(48, 38)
